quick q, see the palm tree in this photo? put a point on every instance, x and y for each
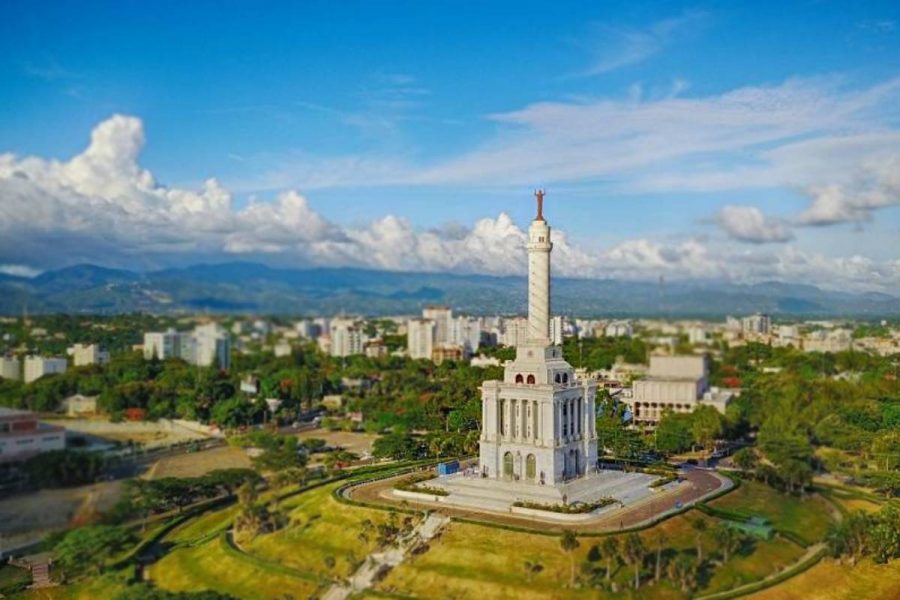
(661, 539)
(532, 568)
(569, 543)
(729, 540)
(684, 571)
(699, 526)
(634, 555)
(610, 551)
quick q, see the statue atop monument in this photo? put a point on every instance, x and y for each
(539, 194)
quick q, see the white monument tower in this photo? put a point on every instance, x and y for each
(538, 424)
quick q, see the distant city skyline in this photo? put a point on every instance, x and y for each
(691, 141)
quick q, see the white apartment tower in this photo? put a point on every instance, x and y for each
(87, 354)
(10, 368)
(538, 423)
(347, 337)
(38, 366)
(442, 316)
(420, 338)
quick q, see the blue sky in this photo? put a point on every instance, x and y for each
(695, 140)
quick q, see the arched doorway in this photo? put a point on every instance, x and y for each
(530, 380)
(530, 467)
(508, 465)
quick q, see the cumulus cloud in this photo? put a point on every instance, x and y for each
(749, 224)
(101, 206)
(876, 185)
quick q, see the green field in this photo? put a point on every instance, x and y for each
(808, 517)
(831, 580)
(202, 526)
(320, 527)
(210, 567)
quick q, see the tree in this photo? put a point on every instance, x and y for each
(699, 526)
(93, 545)
(396, 446)
(532, 568)
(706, 425)
(729, 540)
(609, 549)
(144, 591)
(661, 540)
(850, 537)
(569, 543)
(884, 535)
(674, 433)
(634, 555)
(684, 571)
(746, 459)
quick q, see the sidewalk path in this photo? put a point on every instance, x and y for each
(380, 562)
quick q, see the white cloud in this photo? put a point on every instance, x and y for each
(618, 46)
(749, 224)
(19, 271)
(875, 186)
(101, 206)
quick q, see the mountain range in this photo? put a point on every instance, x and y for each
(243, 287)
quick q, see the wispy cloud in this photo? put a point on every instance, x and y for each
(617, 46)
(50, 71)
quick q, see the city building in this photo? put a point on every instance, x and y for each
(23, 436)
(211, 346)
(756, 324)
(444, 352)
(87, 354)
(836, 340)
(484, 361)
(420, 338)
(38, 366)
(515, 331)
(465, 332)
(538, 423)
(557, 326)
(78, 405)
(282, 349)
(162, 345)
(10, 368)
(375, 348)
(208, 345)
(619, 329)
(697, 335)
(442, 316)
(677, 383)
(348, 337)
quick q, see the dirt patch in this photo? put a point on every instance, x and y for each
(195, 464)
(359, 443)
(31, 516)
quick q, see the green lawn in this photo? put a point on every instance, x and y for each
(766, 558)
(210, 567)
(831, 580)
(212, 522)
(320, 527)
(473, 561)
(808, 517)
(13, 578)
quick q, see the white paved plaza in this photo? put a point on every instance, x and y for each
(472, 491)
